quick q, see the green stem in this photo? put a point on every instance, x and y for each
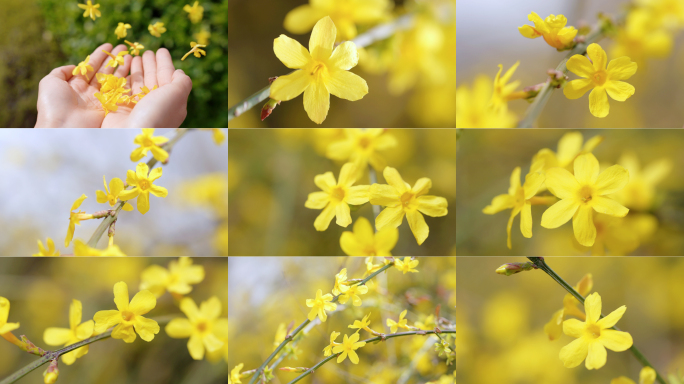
(380, 32)
(541, 264)
(374, 180)
(104, 225)
(258, 372)
(310, 371)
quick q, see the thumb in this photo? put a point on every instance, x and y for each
(183, 81)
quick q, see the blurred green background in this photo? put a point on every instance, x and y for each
(271, 172)
(37, 36)
(486, 159)
(501, 319)
(40, 291)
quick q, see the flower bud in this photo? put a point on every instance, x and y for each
(513, 268)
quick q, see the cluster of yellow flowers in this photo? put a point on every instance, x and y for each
(597, 202)
(360, 147)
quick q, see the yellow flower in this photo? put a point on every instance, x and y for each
(646, 376)
(553, 29)
(111, 195)
(474, 107)
(345, 14)
(75, 219)
(199, 326)
(147, 142)
(51, 377)
(364, 242)
(581, 194)
(195, 50)
(400, 199)
(156, 29)
(593, 336)
(394, 326)
(218, 136)
(177, 279)
(349, 345)
(428, 325)
(143, 186)
(111, 84)
(406, 265)
(620, 235)
(144, 91)
(202, 36)
(128, 316)
(327, 351)
(319, 305)
(90, 10)
(108, 102)
(221, 332)
(640, 192)
(569, 147)
(336, 197)
(47, 252)
(72, 335)
(82, 249)
(339, 285)
(120, 30)
(554, 328)
(195, 12)
(363, 324)
(353, 292)
(322, 70)
(519, 198)
(504, 92)
(135, 47)
(640, 39)
(281, 333)
(5, 327)
(361, 147)
(600, 79)
(83, 67)
(116, 60)
(235, 374)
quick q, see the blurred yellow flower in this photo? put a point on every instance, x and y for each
(327, 351)
(195, 50)
(235, 374)
(336, 197)
(144, 91)
(195, 12)
(82, 249)
(554, 328)
(147, 142)
(143, 186)
(593, 336)
(135, 47)
(353, 292)
(319, 305)
(72, 335)
(91, 10)
(120, 30)
(340, 280)
(364, 242)
(349, 345)
(177, 279)
(321, 70)
(199, 326)
(640, 192)
(394, 326)
(50, 251)
(569, 147)
(400, 199)
(641, 39)
(218, 136)
(75, 219)
(156, 29)
(474, 108)
(128, 316)
(553, 29)
(83, 67)
(111, 195)
(116, 60)
(363, 324)
(504, 92)
(646, 376)
(406, 265)
(581, 194)
(428, 325)
(361, 147)
(5, 327)
(202, 37)
(281, 333)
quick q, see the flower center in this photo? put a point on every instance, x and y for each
(593, 331)
(370, 251)
(147, 142)
(364, 142)
(407, 199)
(112, 200)
(318, 69)
(585, 194)
(127, 315)
(202, 326)
(600, 77)
(337, 193)
(143, 184)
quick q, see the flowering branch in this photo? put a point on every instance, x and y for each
(541, 264)
(373, 339)
(291, 336)
(380, 32)
(113, 214)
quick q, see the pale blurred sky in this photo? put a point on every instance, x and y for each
(44, 171)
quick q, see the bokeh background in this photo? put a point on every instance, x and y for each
(40, 292)
(253, 25)
(267, 292)
(46, 170)
(500, 319)
(486, 159)
(488, 36)
(37, 36)
(271, 173)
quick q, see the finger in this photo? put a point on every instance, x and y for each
(122, 70)
(63, 73)
(149, 69)
(165, 67)
(108, 70)
(136, 78)
(97, 58)
(183, 82)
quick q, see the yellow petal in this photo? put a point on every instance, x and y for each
(422, 186)
(567, 34)
(577, 88)
(499, 203)
(608, 206)
(85, 330)
(179, 328)
(290, 52)
(325, 181)
(143, 203)
(418, 226)
(212, 343)
(106, 319)
(353, 357)
(559, 213)
(78, 202)
(597, 56)
(143, 302)
(322, 39)
(596, 357)
(159, 154)
(382, 194)
(121, 295)
(75, 313)
(586, 169)
(347, 175)
(317, 200)
(539, 23)
(621, 68)
(316, 101)
(290, 86)
(302, 18)
(573, 327)
(357, 195)
(612, 318)
(56, 336)
(612, 180)
(101, 197)
(581, 66)
(385, 240)
(592, 307)
(647, 375)
(125, 333)
(146, 328)
(346, 85)
(434, 206)
(529, 32)
(574, 353)
(514, 213)
(583, 226)
(389, 217)
(514, 181)
(325, 217)
(526, 220)
(159, 191)
(189, 308)
(598, 102)
(617, 341)
(141, 171)
(350, 243)
(619, 90)
(561, 183)
(344, 57)
(343, 215)
(394, 179)
(211, 309)
(533, 182)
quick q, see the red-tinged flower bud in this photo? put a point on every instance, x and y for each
(51, 373)
(268, 108)
(513, 268)
(290, 369)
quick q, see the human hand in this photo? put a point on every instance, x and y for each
(164, 107)
(67, 100)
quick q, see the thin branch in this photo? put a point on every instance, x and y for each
(380, 32)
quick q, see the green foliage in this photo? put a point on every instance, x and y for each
(78, 37)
